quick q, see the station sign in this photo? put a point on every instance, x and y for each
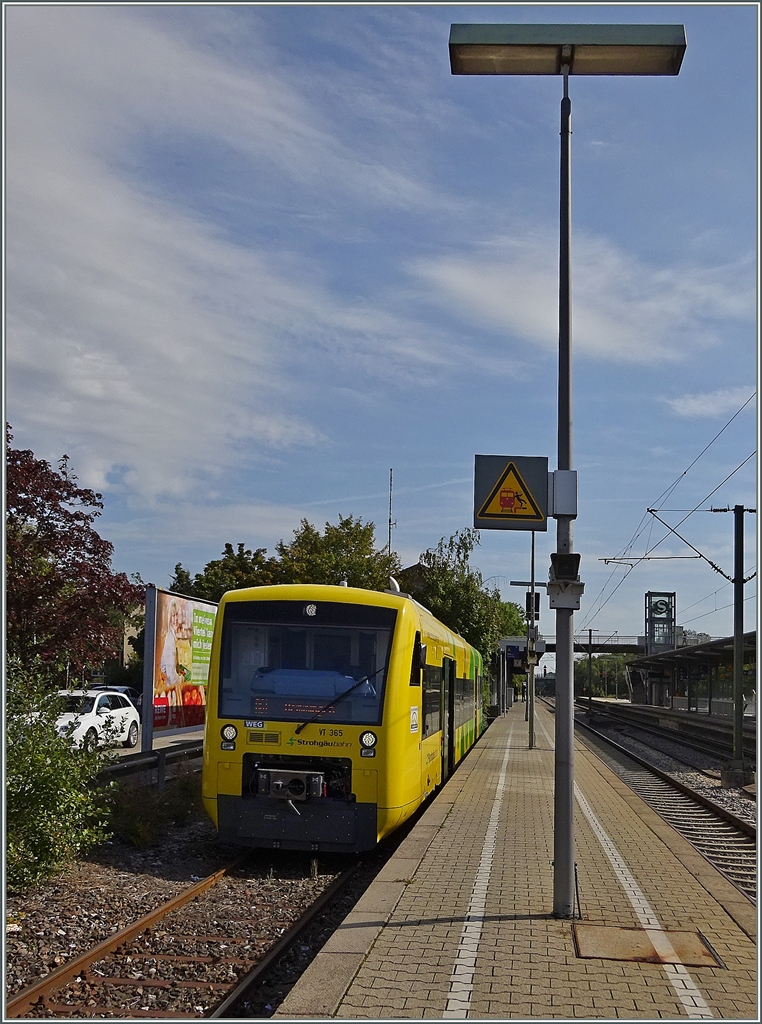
(511, 492)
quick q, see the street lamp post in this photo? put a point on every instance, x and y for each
(565, 50)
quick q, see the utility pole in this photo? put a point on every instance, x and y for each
(391, 524)
(531, 655)
(534, 651)
(738, 512)
(737, 774)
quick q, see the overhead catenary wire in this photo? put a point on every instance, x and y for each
(722, 608)
(665, 494)
(699, 554)
(647, 521)
(714, 594)
(719, 485)
(668, 491)
(639, 558)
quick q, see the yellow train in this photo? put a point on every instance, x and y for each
(332, 714)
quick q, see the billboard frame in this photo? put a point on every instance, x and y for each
(149, 656)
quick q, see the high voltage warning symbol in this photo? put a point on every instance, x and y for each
(511, 493)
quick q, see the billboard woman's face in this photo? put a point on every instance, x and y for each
(174, 617)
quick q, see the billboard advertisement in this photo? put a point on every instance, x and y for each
(178, 657)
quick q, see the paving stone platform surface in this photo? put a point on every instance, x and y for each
(459, 923)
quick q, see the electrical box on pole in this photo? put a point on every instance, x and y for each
(533, 613)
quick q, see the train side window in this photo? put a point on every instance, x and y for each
(419, 660)
(432, 688)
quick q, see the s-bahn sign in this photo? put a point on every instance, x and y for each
(510, 492)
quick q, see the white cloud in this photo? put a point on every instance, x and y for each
(139, 327)
(713, 403)
(107, 75)
(208, 526)
(623, 309)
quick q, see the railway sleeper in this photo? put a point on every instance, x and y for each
(183, 958)
(64, 1010)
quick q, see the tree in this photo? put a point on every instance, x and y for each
(446, 583)
(606, 672)
(64, 604)
(690, 637)
(234, 571)
(346, 551)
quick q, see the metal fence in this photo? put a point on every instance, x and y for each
(154, 763)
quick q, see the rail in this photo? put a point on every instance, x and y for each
(711, 734)
(89, 984)
(24, 1000)
(721, 837)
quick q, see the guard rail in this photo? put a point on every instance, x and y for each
(153, 760)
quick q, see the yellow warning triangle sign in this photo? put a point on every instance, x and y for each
(510, 498)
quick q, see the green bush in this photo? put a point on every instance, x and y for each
(53, 808)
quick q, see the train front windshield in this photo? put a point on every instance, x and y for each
(290, 660)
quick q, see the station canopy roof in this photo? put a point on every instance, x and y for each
(719, 651)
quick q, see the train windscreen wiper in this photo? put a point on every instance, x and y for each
(336, 700)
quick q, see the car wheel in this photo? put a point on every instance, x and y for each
(90, 741)
(132, 736)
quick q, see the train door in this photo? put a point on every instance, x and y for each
(447, 712)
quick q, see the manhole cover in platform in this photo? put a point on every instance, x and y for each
(651, 945)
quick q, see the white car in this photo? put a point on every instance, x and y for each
(93, 718)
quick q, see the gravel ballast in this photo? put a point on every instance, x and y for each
(115, 885)
(700, 772)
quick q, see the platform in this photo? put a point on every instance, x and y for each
(459, 923)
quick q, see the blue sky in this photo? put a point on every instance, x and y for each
(256, 256)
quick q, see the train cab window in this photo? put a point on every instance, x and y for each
(332, 652)
(286, 661)
(292, 647)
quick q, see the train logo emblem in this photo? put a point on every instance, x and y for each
(510, 498)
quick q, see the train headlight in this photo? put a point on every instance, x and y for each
(368, 740)
(229, 732)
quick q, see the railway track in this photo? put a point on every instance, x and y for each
(700, 737)
(725, 840)
(195, 956)
(693, 756)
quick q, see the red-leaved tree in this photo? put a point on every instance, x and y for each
(64, 604)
